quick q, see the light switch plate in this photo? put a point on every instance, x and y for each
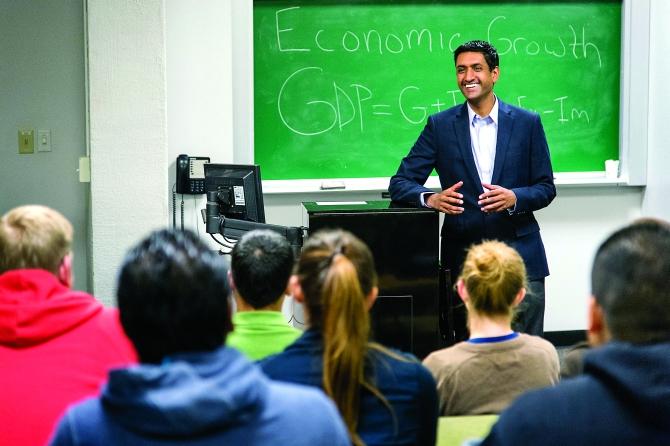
(44, 140)
(26, 141)
(84, 169)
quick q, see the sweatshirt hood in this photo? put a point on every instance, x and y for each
(637, 375)
(189, 394)
(35, 307)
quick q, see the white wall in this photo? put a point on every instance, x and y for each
(572, 228)
(656, 200)
(128, 130)
(199, 91)
(42, 87)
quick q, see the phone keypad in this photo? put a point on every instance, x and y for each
(198, 186)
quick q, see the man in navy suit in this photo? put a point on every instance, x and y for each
(494, 168)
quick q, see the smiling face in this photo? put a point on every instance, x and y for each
(475, 79)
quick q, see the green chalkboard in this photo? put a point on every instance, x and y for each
(343, 89)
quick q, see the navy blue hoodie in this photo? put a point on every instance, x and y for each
(623, 398)
(210, 398)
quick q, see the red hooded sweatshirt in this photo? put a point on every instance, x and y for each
(56, 346)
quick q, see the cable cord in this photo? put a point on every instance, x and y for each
(182, 212)
(174, 206)
(225, 245)
(195, 215)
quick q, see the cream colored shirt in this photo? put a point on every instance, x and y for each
(474, 379)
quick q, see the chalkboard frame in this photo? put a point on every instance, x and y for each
(633, 109)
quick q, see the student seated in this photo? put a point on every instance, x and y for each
(622, 396)
(56, 344)
(190, 389)
(573, 360)
(484, 374)
(385, 397)
(261, 264)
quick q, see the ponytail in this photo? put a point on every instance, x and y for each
(336, 273)
(346, 328)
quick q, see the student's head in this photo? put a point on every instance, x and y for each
(479, 46)
(336, 280)
(493, 279)
(336, 273)
(630, 284)
(261, 264)
(173, 296)
(36, 237)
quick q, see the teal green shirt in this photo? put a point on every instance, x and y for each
(258, 334)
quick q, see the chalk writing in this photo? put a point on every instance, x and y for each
(575, 45)
(580, 47)
(356, 104)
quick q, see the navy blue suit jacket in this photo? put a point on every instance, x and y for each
(522, 164)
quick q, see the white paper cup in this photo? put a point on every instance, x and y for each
(611, 168)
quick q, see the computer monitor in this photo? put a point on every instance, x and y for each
(239, 191)
(235, 204)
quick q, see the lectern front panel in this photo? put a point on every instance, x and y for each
(405, 245)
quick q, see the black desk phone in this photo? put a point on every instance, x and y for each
(191, 174)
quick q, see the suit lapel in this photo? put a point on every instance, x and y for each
(505, 124)
(462, 129)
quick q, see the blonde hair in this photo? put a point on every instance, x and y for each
(336, 273)
(493, 275)
(34, 236)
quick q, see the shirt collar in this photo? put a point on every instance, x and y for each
(494, 339)
(493, 115)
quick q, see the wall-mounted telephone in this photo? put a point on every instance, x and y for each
(191, 174)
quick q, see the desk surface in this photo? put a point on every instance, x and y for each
(315, 207)
(454, 430)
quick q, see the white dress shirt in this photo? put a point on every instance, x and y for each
(483, 137)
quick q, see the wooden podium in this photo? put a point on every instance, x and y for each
(410, 311)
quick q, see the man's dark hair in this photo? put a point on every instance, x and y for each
(629, 280)
(261, 264)
(173, 296)
(480, 46)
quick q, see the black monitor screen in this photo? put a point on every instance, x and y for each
(239, 190)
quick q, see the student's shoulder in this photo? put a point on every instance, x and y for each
(294, 366)
(551, 408)
(291, 403)
(81, 421)
(106, 327)
(108, 320)
(549, 402)
(86, 410)
(448, 354)
(270, 365)
(298, 394)
(278, 363)
(538, 342)
(379, 353)
(401, 364)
